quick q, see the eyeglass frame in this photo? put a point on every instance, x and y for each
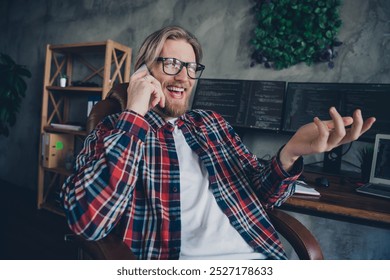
(199, 67)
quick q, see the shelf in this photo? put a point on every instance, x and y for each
(93, 67)
(53, 207)
(78, 90)
(49, 128)
(59, 170)
(90, 47)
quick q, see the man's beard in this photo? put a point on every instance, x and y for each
(172, 110)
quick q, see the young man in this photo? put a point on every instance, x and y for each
(181, 184)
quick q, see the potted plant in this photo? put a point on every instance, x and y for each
(12, 90)
(63, 79)
(290, 32)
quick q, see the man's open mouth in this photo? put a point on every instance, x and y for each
(176, 92)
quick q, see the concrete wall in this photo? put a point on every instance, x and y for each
(224, 28)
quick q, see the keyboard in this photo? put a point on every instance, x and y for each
(379, 187)
(375, 189)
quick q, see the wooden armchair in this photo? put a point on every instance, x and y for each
(298, 236)
(111, 247)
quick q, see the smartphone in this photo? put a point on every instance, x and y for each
(142, 68)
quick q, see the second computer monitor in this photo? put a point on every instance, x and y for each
(304, 101)
(243, 103)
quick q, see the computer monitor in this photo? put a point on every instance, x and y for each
(243, 103)
(304, 101)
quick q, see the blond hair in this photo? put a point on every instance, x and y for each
(153, 44)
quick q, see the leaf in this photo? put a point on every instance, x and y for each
(20, 86)
(4, 115)
(320, 3)
(6, 59)
(293, 31)
(12, 89)
(24, 72)
(12, 119)
(267, 21)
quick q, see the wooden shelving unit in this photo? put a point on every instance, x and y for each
(91, 70)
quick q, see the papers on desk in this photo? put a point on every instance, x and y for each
(303, 188)
(67, 126)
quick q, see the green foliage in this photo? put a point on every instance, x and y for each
(292, 31)
(62, 75)
(12, 89)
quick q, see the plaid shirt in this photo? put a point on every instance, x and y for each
(127, 176)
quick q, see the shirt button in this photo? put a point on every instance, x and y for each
(174, 189)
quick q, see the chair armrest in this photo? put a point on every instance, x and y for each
(299, 237)
(303, 242)
(109, 248)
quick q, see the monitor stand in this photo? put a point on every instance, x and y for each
(332, 160)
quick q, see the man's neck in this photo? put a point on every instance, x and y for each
(164, 115)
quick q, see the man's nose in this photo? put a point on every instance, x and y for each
(182, 75)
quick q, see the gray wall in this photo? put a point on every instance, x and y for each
(224, 28)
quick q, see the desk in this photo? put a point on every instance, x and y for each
(340, 200)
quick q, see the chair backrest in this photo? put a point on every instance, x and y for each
(114, 102)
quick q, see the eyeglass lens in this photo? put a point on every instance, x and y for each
(173, 66)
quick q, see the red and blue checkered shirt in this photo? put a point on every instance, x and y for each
(127, 176)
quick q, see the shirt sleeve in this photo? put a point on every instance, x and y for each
(279, 184)
(272, 184)
(96, 194)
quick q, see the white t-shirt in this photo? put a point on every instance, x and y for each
(206, 232)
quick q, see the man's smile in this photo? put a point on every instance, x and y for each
(176, 92)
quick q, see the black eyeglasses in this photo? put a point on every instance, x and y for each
(172, 66)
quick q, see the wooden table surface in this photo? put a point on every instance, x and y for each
(341, 200)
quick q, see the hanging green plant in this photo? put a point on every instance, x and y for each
(12, 90)
(292, 31)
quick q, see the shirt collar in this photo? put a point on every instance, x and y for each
(156, 122)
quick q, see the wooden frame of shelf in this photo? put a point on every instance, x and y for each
(49, 128)
(86, 90)
(114, 67)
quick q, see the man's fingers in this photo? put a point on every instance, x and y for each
(346, 121)
(356, 129)
(367, 124)
(144, 92)
(323, 133)
(159, 92)
(338, 133)
(156, 94)
(139, 74)
(157, 97)
(162, 101)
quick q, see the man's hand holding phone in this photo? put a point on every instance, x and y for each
(144, 92)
